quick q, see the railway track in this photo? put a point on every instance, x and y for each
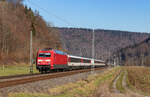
(37, 77)
(16, 76)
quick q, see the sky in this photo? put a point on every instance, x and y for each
(127, 15)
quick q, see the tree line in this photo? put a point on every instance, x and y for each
(16, 23)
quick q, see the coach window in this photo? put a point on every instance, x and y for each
(75, 60)
(97, 62)
(86, 61)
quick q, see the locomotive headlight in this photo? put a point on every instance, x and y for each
(40, 60)
(48, 60)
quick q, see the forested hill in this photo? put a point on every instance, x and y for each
(138, 54)
(16, 22)
(78, 41)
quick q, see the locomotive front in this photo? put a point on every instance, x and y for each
(44, 59)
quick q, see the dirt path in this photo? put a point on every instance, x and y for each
(129, 92)
(115, 90)
(104, 89)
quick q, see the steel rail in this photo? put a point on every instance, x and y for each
(9, 83)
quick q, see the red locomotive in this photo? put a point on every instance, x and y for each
(50, 59)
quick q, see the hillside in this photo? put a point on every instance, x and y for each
(138, 54)
(16, 22)
(78, 41)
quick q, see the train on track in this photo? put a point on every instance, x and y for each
(52, 60)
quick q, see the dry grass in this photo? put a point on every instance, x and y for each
(82, 88)
(28, 95)
(106, 89)
(139, 78)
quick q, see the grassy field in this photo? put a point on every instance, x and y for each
(139, 79)
(82, 88)
(16, 69)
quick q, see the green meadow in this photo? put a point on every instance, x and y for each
(7, 70)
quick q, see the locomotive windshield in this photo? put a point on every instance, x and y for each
(44, 55)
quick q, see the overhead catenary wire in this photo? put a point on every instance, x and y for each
(51, 14)
(66, 22)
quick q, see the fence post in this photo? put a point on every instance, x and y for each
(3, 67)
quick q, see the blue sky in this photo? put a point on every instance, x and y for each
(129, 15)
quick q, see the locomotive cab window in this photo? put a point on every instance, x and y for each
(44, 55)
